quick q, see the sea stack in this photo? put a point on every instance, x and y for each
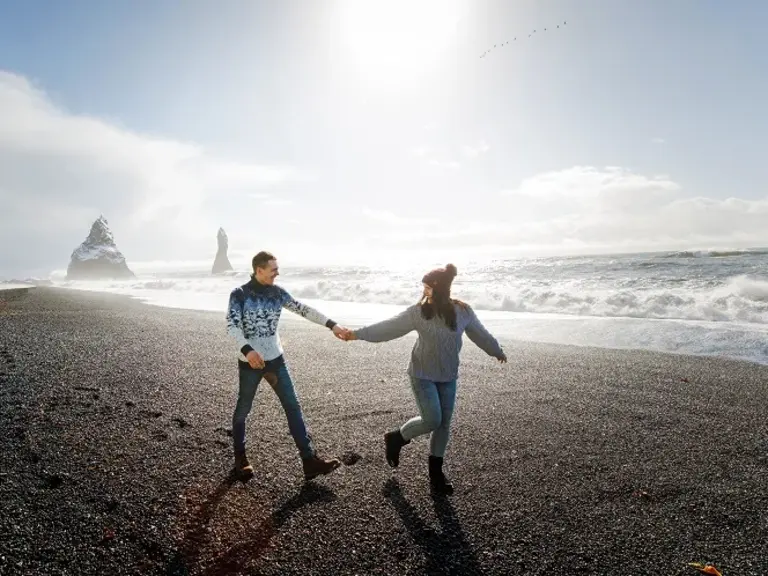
(98, 258)
(221, 263)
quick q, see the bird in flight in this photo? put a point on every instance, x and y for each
(514, 39)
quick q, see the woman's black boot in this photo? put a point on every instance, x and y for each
(437, 479)
(394, 441)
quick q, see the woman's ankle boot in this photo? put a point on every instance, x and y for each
(437, 479)
(393, 441)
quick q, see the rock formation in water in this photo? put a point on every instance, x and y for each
(98, 257)
(221, 263)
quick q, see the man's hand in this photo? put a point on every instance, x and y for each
(255, 360)
(341, 333)
(502, 358)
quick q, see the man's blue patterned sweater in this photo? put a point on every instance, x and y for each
(253, 315)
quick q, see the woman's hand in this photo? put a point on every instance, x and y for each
(340, 332)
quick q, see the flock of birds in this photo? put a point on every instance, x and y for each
(484, 54)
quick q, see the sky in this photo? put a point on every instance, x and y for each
(355, 131)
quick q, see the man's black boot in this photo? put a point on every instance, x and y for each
(243, 468)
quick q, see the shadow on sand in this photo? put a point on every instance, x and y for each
(234, 559)
(448, 551)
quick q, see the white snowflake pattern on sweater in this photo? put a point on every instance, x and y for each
(254, 313)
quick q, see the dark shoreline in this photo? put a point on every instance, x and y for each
(568, 460)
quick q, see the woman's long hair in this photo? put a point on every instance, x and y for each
(442, 305)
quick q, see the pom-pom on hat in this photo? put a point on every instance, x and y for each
(440, 278)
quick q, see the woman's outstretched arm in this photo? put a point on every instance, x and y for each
(386, 330)
(482, 338)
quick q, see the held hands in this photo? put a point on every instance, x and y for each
(343, 333)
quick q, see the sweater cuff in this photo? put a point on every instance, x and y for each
(330, 324)
(245, 349)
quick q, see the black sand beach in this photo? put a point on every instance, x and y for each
(116, 454)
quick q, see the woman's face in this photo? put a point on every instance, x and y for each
(427, 291)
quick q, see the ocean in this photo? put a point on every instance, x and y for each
(708, 303)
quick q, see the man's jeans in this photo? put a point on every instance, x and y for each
(249, 383)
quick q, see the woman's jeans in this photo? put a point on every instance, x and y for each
(436, 401)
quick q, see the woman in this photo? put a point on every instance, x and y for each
(440, 322)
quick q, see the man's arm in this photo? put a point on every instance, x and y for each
(235, 321)
(290, 303)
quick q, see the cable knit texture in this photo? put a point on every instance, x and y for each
(435, 355)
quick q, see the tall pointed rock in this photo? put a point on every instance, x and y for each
(98, 257)
(221, 263)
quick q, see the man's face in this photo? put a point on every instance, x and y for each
(268, 274)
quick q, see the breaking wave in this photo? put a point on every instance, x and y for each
(742, 299)
(714, 253)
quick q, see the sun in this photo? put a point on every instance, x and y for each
(391, 37)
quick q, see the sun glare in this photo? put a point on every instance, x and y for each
(392, 37)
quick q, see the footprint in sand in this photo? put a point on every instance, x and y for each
(361, 415)
(350, 458)
(52, 481)
(160, 435)
(86, 389)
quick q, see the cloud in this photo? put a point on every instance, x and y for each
(607, 189)
(428, 155)
(612, 209)
(279, 202)
(395, 220)
(475, 151)
(420, 151)
(657, 140)
(588, 181)
(59, 171)
(431, 157)
(452, 164)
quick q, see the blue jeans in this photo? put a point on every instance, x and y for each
(436, 401)
(249, 383)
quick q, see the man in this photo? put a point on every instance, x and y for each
(254, 313)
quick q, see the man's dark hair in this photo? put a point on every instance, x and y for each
(261, 259)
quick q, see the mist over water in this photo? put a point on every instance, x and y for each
(691, 302)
